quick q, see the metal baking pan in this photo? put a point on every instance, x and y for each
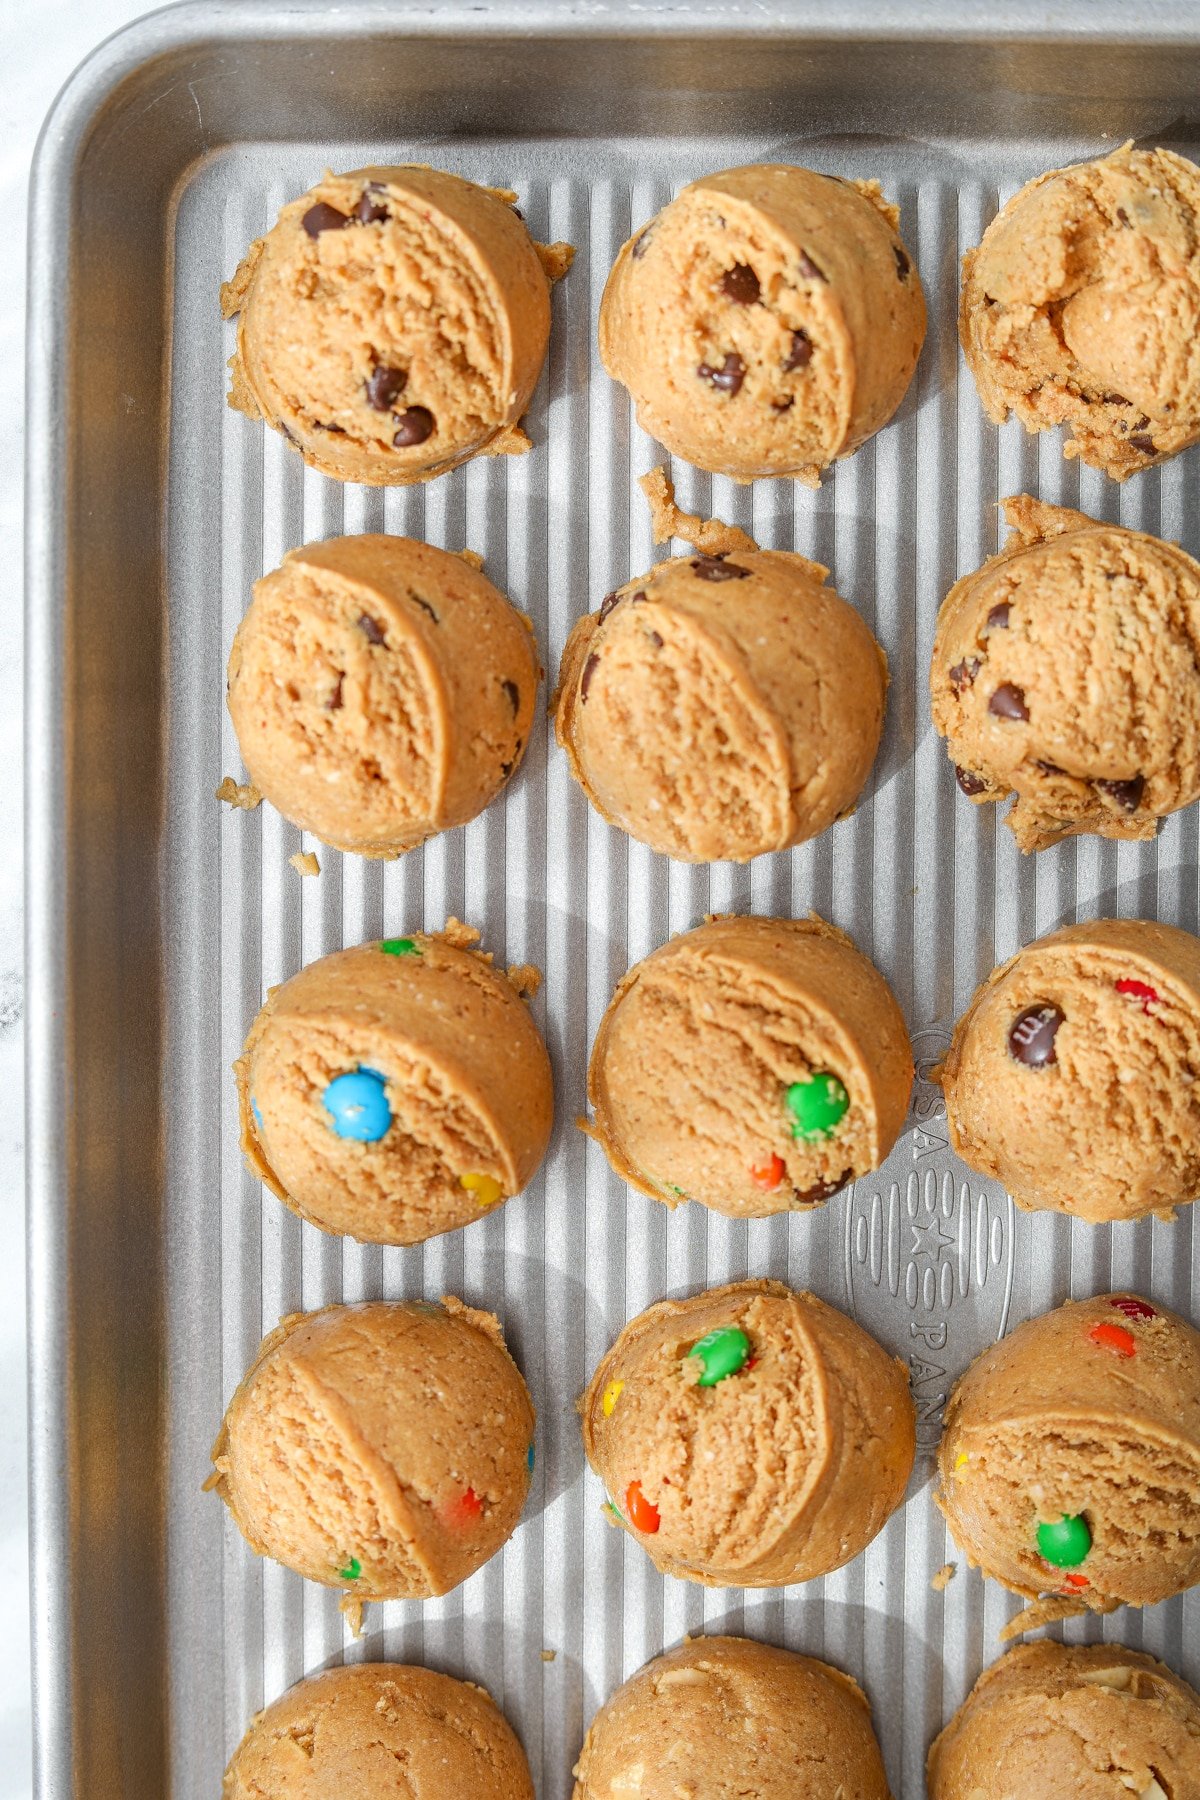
(157, 918)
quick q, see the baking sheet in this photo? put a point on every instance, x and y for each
(932, 1261)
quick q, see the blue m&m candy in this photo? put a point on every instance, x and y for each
(357, 1105)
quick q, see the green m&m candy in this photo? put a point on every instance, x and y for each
(817, 1105)
(400, 947)
(1065, 1542)
(720, 1353)
(352, 1571)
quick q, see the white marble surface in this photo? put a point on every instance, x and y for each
(41, 41)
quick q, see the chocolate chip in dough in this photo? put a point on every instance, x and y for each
(715, 568)
(323, 217)
(1127, 794)
(370, 211)
(371, 629)
(384, 385)
(728, 378)
(1032, 1033)
(589, 670)
(1008, 702)
(809, 269)
(903, 261)
(821, 1190)
(800, 354)
(334, 702)
(969, 783)
(740, 284)
(997, 619)
(963, 674)
(413, 427)
(512, 694)
(1141, 440)
(607, 604)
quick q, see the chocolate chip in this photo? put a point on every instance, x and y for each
(642, 243)
(821, 1190)
(963, 674)
(1047, 768)
(512, 694)
(715, 568)
(333, 430)
(334, 702)
(371, 629)
(1122, 215)
(1008, 702)
(589, 670)
(970, 784)
(782, 406)
(997, 619)
(1127, 794)
(607, 604)
(323, 217)
(729, 377)
(413, 426)
(1141, 440)
(636, 599)
(903, 264)
(1032, 1033)
(1115, 400)
(369, 211)
(809, 269)
(655, 639)
(425, 607)
(383, 385)
(740, 284)
(800, 354)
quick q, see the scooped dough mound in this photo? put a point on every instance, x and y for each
(756, 1065)
(1070, 1457)
(380, 1448)
(722, 1718)
(392, 324)
(772, 1453)
(1081, 307)
(766, 322)
(361, 1729)
(1066, 672)
(457, 1081)
(1072, 1076)
(381, 691)
(1096, 1722)
(722, 707)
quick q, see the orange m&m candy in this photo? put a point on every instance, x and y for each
(641, 1513)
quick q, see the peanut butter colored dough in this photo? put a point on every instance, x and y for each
(722, 707)
(381, 691)
(467, 1081)
(724, 1718)
(1093, 632)
(1091, 1413)
(1081, 307)
(779, 1472)
(380, 1448)
(393, 324)
(766, 322)
(692, 1065)
(1094, 1722)
(380, 1731)
(1110, 1129)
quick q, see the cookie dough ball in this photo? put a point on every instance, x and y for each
(766, 322)
(381, 691)
(721, 1717)
(755, 1065)
(392, 324)
(1097, 1723)
(750, 1436)
(722, 707)
(1072, 1077)
(396, 1090)
(352, 1730)
(381, 1448)
(1070, 1457)
(1081, 307)
(1064, 672)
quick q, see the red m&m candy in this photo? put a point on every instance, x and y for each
(641, 1513)
(1132, 1307)
(1138, 990)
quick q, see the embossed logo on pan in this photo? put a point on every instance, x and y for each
(929, 1254)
